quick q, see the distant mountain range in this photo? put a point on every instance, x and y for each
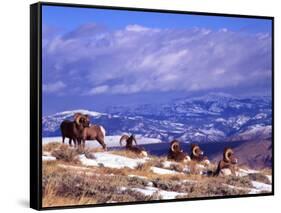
(210, 118)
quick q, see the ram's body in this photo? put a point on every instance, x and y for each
(74, 129)
(175, 153)
(94, 132)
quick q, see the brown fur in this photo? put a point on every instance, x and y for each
(94, 132)
(74, 129)
(129, 144)
(175, 153)
(229, 161)
(197, 154)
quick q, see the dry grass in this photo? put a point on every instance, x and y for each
(66, 182)
(67, 154)
(126, 153)
(51, 146)
(266, 171)
(237, 181)
(67, 187)
(259, 177)
(177, 167)
(51, 201)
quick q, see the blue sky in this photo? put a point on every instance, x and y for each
(93, 58)
(69, 18)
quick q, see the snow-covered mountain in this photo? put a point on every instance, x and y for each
(210, 118)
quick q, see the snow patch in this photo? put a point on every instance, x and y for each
(111, 161)
(258, 187)
(245, 172)
(161, 171)
(149, 191)
(48, 158)
(262, 186)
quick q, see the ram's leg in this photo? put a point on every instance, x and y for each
(70, 143)
(63, 139)
(101, 142)
(232, 168)
(84, 142)
(80, 144)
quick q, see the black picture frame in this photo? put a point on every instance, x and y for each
(36, 102)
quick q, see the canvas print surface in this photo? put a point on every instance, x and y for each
(144, 106)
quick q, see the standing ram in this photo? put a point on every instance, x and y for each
(94, 132)
(74, 129)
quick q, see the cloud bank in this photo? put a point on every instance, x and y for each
(93, 60)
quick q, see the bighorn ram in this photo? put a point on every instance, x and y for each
(129, 145)
(74, 129)
(94, 132)
(227, 164)
(198, 155)
(175, 153)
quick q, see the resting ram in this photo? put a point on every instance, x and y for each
(129, 145)
(176, 154)
(74, 129)
(197, 154)
(227, 165)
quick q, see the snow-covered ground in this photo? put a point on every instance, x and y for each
(116, 161)
(161, 171)
(262, 186)
(245, 172)
(258, 187)
(48, 158)
(110, 141)
(111, 161)
(149, 191)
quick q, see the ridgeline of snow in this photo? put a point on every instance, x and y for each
(83, 111)
(211, 118)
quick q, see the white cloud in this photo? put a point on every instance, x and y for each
(98, 90)
(136, 28)
(53, 87)
(137, 59)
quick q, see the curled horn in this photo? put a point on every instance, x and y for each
(174, 145)
(134, 139)
(123, 138)
(194, 150)
(227, 152)
(77, 117)
(76, 114)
